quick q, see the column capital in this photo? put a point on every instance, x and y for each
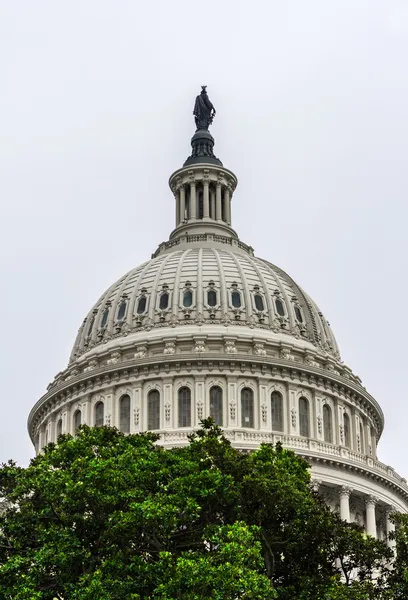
(344, 490)
(316, 483)
(371, 500)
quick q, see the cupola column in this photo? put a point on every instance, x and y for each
(182, 201)
(218, 210)
(206, 207)
(193, 202)
(227, 204)
(177, 198)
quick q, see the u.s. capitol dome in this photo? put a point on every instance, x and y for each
(205, 328)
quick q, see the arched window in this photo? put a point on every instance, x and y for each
(45, 435)
(124, 414)
(247, 407)
(216, 404)
(91, 324)
(327, 424)
(184, 407)
(105, 318)
(362, 448)
(187, 298)
(298, 314)
(153, 410)
(141, 305)
(304, 417)
(99, 414)
(259, 303)
(122, 311)
(346, 422)
(59, 428)
(236, 299)
(277, 411)
(212, 298)
(77, 420)
(164, 301)
(279, 307)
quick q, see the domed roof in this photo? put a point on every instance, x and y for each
(205, 284)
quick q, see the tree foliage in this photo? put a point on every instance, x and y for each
(104, 516)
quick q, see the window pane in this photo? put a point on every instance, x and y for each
(99, 413)
(277, 411)
(303, 417)
(212, 298)
(105, 317)
(346, 422)
(327, 424)
(59, 427)
(91, 323)
(164, 301)
(298, 314)
(247, 407)
(77, 420)
(125, 414)
(259, 303)
(153, 410)
(184, 407)
(121, 311)
(187, 298)
(279, 307)
(236, 299)
(141, 305)
(216, 404)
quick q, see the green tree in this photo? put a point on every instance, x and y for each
(104, 516)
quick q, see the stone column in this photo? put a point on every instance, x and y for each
(193, 201)
(212, 200)
(218, 210)
(227, 206)
(371, 526)
(389, 527)
(177, 197)
(344, 495)
(182, 202)
(206, 200)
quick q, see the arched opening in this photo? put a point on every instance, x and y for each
(124, 414)
(216, 404)
(212, 298)
(346, 423)
(279, 307)
(153, 410)
(59, 428)
(362, 445)
(247, 407)
(277, 411)
(303, 417)
(141, 305)
(236, 299)
(187, 298)
(327, 424)
(184, 407)
(298, 314)
(105, 318)
(99, 414)
(77, 420)
(164, 301)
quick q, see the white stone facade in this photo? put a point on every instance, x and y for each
(205, 328)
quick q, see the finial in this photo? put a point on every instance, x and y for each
(204, 111)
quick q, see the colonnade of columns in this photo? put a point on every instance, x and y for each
(370, 506)
(216, 200)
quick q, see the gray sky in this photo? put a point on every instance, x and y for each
(95, 113)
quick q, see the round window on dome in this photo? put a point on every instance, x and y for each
(164, 301)
(236, 299)
(280, 309)
(259, 303)
(141, 305)
(187, 298)
(212, 298)
(298, 314)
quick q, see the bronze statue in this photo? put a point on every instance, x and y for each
(204, 111)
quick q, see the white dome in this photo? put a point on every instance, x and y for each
(206, 285)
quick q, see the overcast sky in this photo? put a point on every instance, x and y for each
(95, 114)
